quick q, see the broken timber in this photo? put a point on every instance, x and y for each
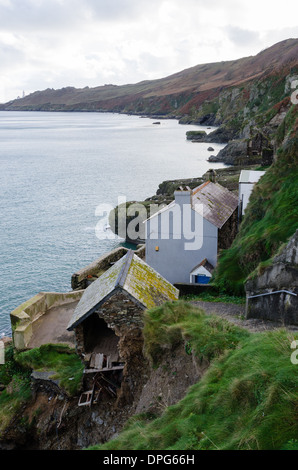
(100, 383)
(90, 397)
(100, 362)
(93, 371)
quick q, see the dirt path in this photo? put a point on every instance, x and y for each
(236, 314)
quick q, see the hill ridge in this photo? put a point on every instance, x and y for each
(170, 93)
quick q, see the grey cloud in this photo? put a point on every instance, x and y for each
(10, 56)
(120, 9)
(24, 15)
(241, 36)
(27, 15)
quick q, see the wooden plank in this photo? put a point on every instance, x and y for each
(97, 394)
(109, 362)
(85, 398)
(98, 361)
(93, 371)
(92, 360)
(92, 395)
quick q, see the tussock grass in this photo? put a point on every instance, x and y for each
(15, 375)
(63, 361)
(248, 398)
(17, 392)
(207, 336)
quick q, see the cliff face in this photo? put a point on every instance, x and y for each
(271, 218)
(255, 118)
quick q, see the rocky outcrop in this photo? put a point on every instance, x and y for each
(255, 147)
(222, 135)
(205, 120)
(273, 294)
(232, 154)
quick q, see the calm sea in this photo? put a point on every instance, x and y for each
(56, 170)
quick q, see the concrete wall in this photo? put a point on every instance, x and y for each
(245, 190)
(247, 180)
(23, 317)
(177, 255)
(282, 275)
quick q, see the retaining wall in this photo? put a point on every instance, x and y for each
(82, 278)
(23, 317)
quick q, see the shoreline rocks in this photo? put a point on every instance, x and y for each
(222, 135)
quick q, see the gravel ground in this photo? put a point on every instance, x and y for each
(236, 314)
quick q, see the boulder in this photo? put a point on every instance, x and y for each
(212, 159)
(234, 150)
(222, 135)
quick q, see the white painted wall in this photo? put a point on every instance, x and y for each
(178, 253)
(247, 180)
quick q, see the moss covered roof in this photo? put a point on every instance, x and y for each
(131, 274)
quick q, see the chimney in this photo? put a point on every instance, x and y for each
(211, 175)
(183, 195)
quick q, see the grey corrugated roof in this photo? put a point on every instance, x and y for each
(214, 202)
(134, 276)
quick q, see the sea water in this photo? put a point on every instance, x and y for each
(57, 170)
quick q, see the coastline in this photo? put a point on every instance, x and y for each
(49, 281)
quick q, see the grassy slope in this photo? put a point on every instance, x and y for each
(271, 218)
(65, 364)
(247, 399)
(17, 392)
(15, 375)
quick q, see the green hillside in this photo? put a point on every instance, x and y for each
(270, 220)
(246, 400)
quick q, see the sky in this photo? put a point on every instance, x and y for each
(59, 43)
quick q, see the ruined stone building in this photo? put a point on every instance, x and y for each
(108, 320)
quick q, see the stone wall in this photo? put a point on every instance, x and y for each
(281, 275)
(119, 312)
(228, 232)
(82, 278)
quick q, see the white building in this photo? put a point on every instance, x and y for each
(184, 237)
(247, 180)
